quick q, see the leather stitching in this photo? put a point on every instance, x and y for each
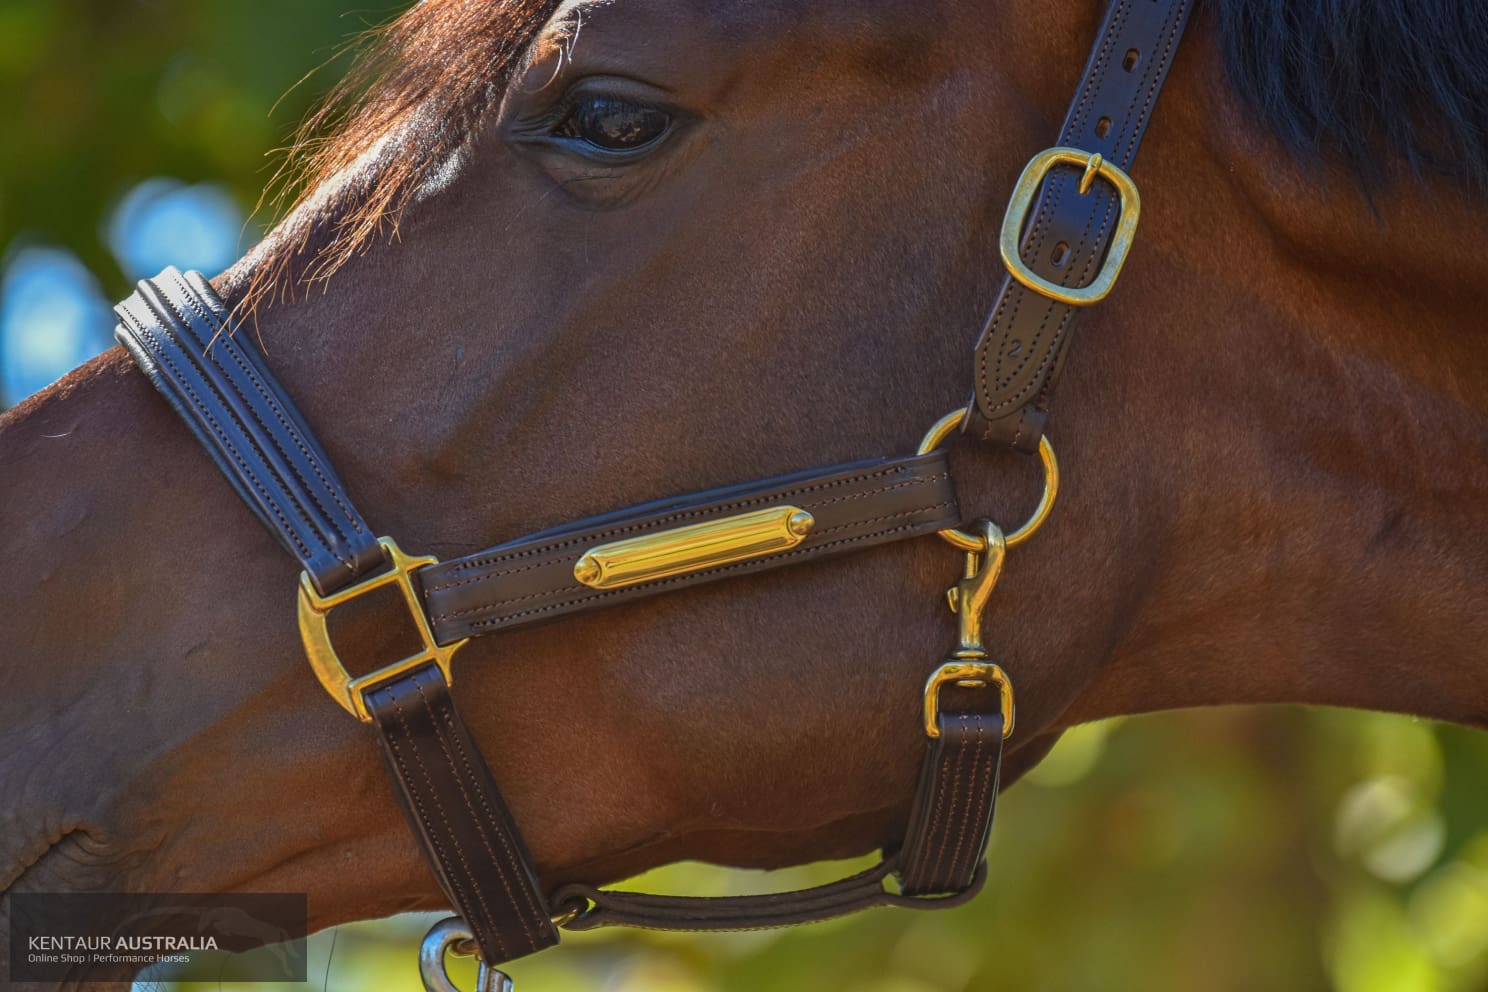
(294, 494)
(493, 818)
(412, 791)
(508, 618)
(1097, 76)
(1159, 71)
(229, 345)
(568, 541)
(466, 785)
(454, 839)
(974, 807)
(566, 562)
(927, 835)
(962, 753)
(924, 480)
(298, 494)
(567, 590)
(586, 539)
(203, 411)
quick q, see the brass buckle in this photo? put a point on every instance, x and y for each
(1022, 201)
(315, 611)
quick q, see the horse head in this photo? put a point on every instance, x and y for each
(559, 258)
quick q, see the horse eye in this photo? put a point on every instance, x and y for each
(615, 124)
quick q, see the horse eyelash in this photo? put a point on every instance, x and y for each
(558, 121)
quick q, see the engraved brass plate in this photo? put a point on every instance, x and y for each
(694, 548)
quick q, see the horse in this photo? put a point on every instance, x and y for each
(553, 258)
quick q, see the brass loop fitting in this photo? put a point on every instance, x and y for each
(964, 541)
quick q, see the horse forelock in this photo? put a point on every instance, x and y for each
(416, 90)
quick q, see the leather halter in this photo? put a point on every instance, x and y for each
(1066, 234)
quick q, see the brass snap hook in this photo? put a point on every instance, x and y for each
(969, 597)
(968, 666)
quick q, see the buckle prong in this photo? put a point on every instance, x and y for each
(1092, 169)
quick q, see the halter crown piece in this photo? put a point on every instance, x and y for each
(1065, 236)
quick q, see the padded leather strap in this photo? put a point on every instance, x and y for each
(1021, 350)
(455, 810)
(177, 329)
(532, 579)
(953, 807)
(940, 864)
(598, 908)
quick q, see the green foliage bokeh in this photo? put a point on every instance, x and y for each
(1217, 850)
(101, 94)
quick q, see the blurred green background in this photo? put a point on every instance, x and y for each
(1214, 850)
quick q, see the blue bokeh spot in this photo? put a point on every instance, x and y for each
(53, 314)
(167, 222)
(53, 317)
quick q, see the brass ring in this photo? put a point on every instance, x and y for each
(964, 541)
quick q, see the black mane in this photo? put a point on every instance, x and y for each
(1370, 82)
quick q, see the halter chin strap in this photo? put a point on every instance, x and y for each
(1064, 240)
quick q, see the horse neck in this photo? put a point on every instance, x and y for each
(1312, 412)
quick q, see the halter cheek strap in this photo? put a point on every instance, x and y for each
(176, 328)
(173, 327)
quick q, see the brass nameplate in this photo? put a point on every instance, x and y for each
(694, 548)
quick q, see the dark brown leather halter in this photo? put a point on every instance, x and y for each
(1065, 236)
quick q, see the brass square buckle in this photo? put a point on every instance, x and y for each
(314, 614)
(1022, 201)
